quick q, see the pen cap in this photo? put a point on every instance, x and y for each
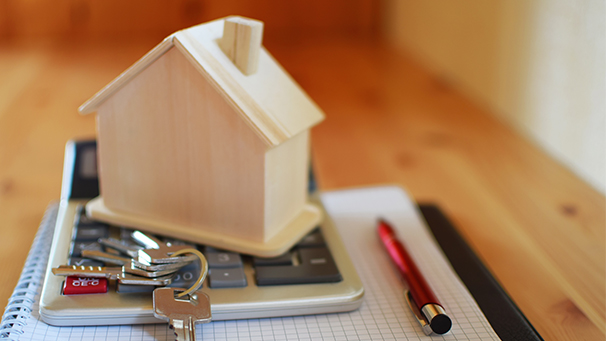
(439, 322)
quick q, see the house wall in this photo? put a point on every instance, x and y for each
(170, 147)
(537, 64)
(286, 182)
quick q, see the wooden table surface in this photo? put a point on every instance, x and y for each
(538, 228)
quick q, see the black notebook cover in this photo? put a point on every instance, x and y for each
(504, 316)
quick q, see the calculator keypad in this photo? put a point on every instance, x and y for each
(308, 262)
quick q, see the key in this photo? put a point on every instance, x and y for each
(137, 280)
(182, 314)
(105, 257)
(78, 247)
(83, 261)
(89, 271)
(130, 250)
(158, 252)
(131, 269)
(116, 273)
(119, 260)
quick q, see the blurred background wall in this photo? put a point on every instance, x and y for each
(134, 19)
(537, 64)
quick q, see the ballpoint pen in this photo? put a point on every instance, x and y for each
(419, 296)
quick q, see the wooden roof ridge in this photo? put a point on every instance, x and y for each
(269, 101)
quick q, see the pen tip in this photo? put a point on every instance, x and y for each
(440, 324)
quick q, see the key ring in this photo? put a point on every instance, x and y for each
(203, 270)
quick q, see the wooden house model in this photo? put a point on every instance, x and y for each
(206, 138)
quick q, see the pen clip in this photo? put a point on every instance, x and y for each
(417, 313)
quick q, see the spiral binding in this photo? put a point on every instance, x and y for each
(19, 307)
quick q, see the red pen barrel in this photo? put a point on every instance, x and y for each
(419, 289)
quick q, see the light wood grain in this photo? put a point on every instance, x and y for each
(286, 174)
(274, 103)
(241, 42)
(181, 163)
(538, 228)
(176, 146)
(172, 149)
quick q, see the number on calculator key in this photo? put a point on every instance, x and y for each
(182, 314)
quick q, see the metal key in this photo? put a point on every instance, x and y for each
(158, 252)
(182, 314)
(113, 272)
(119, 260)
(130, 250)
(116, 272)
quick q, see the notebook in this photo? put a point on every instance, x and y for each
(383, 315)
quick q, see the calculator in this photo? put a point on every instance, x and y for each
(315, 276)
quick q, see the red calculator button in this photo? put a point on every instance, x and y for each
(84, 285)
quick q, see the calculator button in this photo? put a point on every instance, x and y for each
(134, 289)
(74, 285)
(317, 266)
(316, 256)
(186, 276)
(314, 239)
(227, 278)
(222, 259)
(285, 259)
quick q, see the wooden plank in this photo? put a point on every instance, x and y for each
(241, 42)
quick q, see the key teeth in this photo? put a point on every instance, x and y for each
(172, 327)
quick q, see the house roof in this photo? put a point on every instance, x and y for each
(269, 101)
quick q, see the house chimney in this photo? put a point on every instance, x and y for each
(241, 42)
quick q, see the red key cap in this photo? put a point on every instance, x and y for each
(75, 285)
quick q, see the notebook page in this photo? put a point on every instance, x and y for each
(355, 213)
(384, 314)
